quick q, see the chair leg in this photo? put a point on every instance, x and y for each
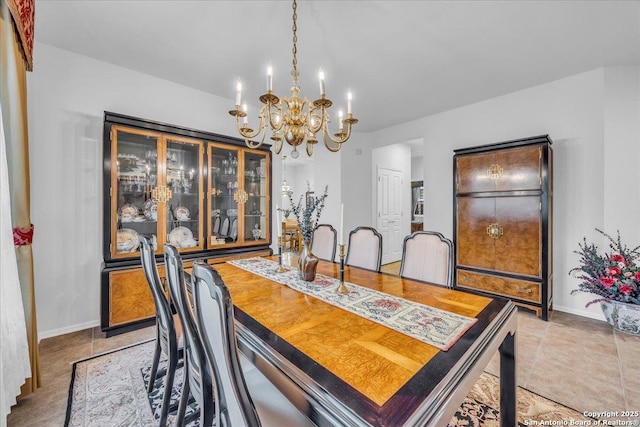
(154, 366)
(168, 389)
(184, 397)
(207, 412)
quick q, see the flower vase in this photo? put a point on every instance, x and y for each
(622, 316)
(307, 262)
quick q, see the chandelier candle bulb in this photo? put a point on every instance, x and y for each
(340, 120)
(269, 78)
(321, 80)
(246, 118)
(239, 93)
(349, 98)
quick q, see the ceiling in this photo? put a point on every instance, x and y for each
(401, 59)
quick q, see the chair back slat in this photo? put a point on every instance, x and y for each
(164, 318)
(427, 256)
(215, 321)
(197, 371)
(365, 248)
(324, 242)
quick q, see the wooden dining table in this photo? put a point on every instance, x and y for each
(341, 369)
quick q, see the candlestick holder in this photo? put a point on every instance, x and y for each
(342, 288)
(280, 245)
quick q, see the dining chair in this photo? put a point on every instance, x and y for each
(216, 226)
(365, 248)
(197, 377)
(427, 256)
(324, 242)
(224, 230)
(168, 329)
(233, 233)
(246, 397)
(293, 235)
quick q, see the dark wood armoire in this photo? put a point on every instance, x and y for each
(502, 221)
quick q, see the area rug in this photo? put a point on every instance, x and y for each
(110, 390)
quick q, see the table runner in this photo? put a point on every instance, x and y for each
(430, 325)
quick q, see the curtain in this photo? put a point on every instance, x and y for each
(13, 99)
(14, 351)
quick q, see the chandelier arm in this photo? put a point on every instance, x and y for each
(330, 143)
(252, 144)
(247, 132)
(313, 115)
(276, 126)
(277, 147)
(344, 136)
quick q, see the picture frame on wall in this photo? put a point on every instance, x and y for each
(309, 200)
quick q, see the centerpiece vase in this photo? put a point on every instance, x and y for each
(307, 262)
(622, 316)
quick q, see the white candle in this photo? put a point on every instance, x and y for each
(321, 79)
(340, 119)
(278, 223)
(342, 223)
(238, 93)
(269, 78)
(246, 117)
(349, 98)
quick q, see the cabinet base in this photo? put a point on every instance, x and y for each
(129, 327)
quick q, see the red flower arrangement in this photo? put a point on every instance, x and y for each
(613, 276)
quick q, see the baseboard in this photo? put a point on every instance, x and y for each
(67, 329)
(583, 313)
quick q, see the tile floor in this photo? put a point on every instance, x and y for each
(579, 362)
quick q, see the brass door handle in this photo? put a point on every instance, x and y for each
(161, 193)
(495, 230)
(523, 290)
(241, 197)
(495, 172)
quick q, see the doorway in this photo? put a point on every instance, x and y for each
(390, 212)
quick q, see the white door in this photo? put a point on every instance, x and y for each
(390, 213)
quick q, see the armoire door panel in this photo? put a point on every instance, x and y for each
(518, 249)
(472, 173)
(520, 169)
(475, 246)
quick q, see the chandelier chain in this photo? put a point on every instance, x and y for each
(294, 72)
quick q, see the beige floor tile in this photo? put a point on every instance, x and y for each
(51, 345)
(59, 363)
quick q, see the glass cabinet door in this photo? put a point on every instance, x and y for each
(184, 205)
(256, 185)
(133, 177)
(224, 195)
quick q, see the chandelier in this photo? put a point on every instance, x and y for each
(293, 119)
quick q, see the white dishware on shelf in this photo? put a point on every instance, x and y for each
(127, 240)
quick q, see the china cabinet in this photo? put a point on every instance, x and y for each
(204, 193)
(502, 221)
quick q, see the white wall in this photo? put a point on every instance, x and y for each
(417, 168)
(67, 97)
